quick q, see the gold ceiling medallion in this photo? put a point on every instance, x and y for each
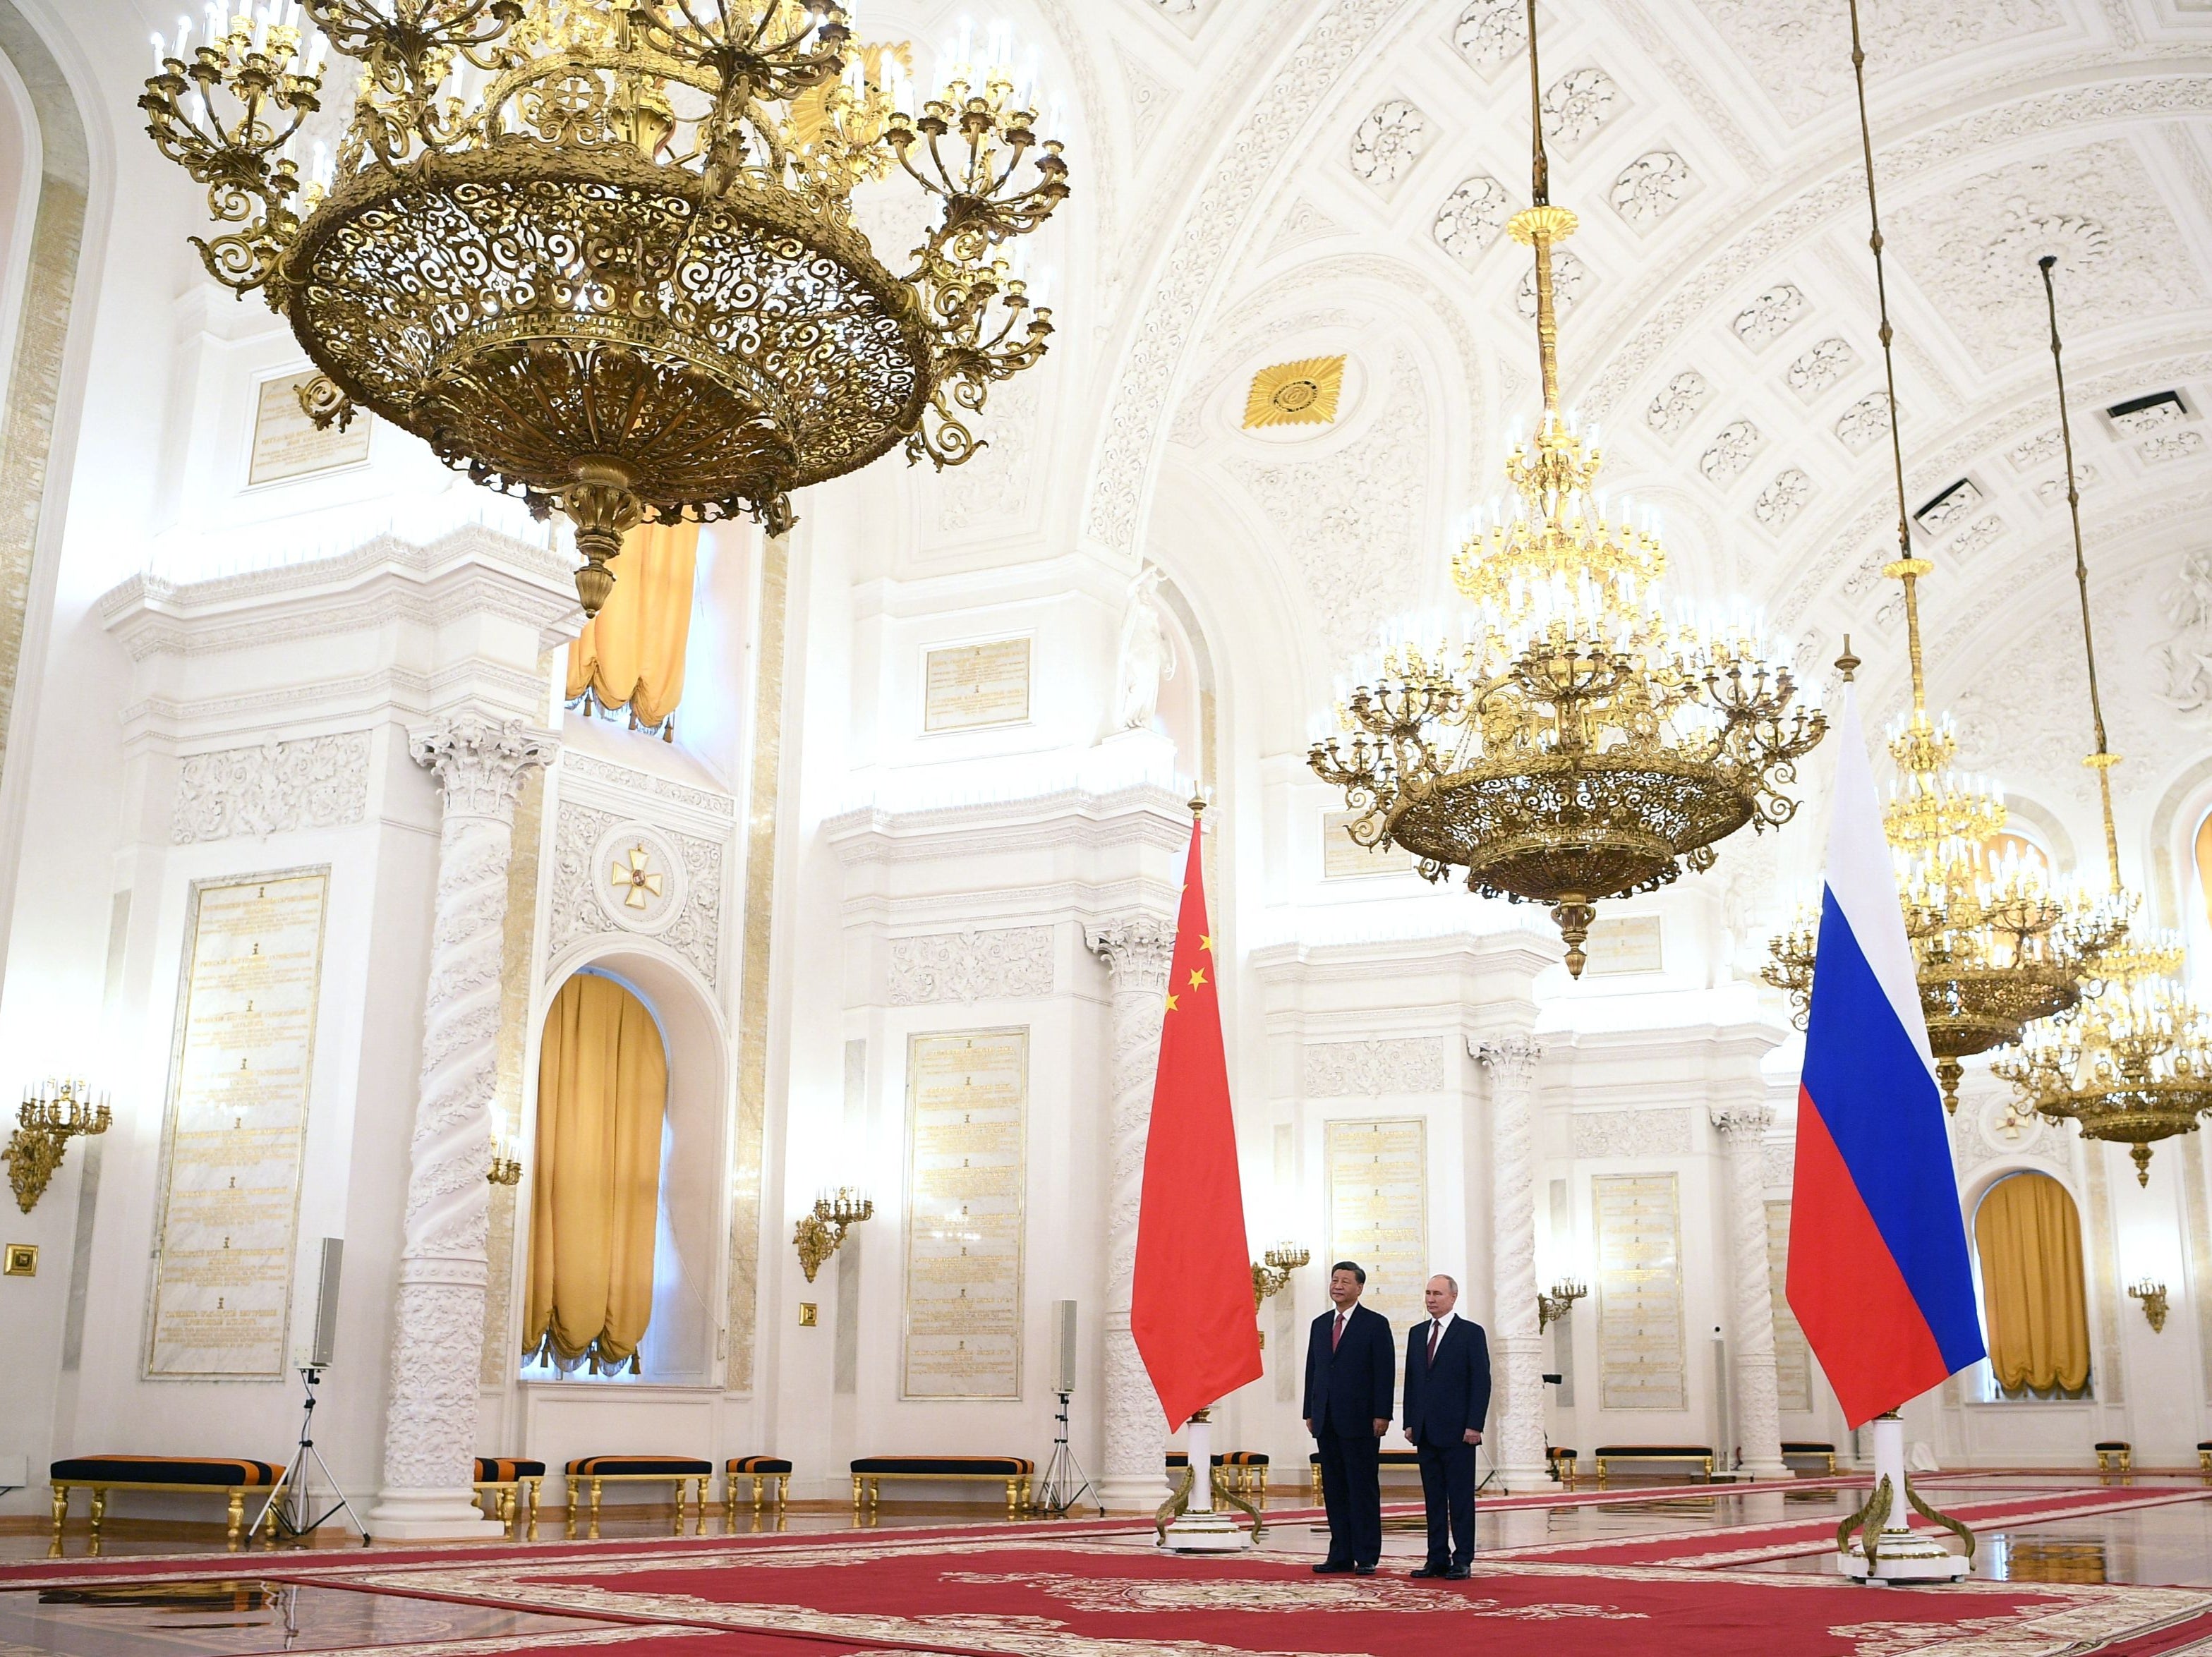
(1994, 944)
(600, 254)
(2131, 1063)
(1559, 739)
(1302, 393)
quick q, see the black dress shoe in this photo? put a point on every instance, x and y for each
(1432, 1568)
(1363, 1570)
(1333, 1568)
(1457, 1574)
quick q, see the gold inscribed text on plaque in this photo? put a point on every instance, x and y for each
(1342, 855)
(1378, 1209)
(1641, 1348)
(285, 441)
(1793, 1358)
(966, 687)
(967, 1110)
(237, 1125)
(1301, 393)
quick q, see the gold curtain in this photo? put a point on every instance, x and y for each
(601, 1090)
(2204, 864)
(2029, 1238)
(632, 652)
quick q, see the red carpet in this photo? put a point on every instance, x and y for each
(1083, 1597)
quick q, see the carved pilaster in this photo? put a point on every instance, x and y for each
(1518, 1419)
(1138, 950)
(431, 1418)
(1744, 1129)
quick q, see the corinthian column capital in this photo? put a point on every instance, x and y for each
(480, 760)
(1510, 1059)
(1741, 1122)
(1138, 949)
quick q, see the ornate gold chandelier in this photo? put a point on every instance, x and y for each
(1561, 742)
(600, 253)
(2131, 1063)
(1994, 945)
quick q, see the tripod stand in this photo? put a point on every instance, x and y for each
(294, 1517)
(1064, 1481)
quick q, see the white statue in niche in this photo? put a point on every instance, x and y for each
(1147, 655)
(2186, 659)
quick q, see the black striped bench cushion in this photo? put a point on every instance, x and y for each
(758, 1464)
(1383, 1458)
(1805, 1447)
(948, 1467)
(641, 1466)
(222, 1472)
(1656, 1452)
(1226, 1459)
(505, 1469)
(2112, 1444)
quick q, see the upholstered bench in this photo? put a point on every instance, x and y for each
(1014, 1471)
(1385, 1460)
(1563, 1462)
(760, 1468)
(2204, 1457)
(1700, 1454)
(505, 1478)
(233, 1476)
(677, 1470)
(1244, 1471)
(1806, 1450)
(2115, 1455)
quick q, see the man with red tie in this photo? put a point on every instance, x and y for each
(1351, 1372)
(1447, 1400)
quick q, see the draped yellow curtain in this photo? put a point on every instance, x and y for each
(2204, 864)
(601, 1090)
(2029, 1237)
(632, 652)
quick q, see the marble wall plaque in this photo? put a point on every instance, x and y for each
(1343, 857)
(1624, 944)
(285, 441)
(1378, 1209)
(1792, 1357)
(967, 1162)
(237, 1123)
(967, 687)
(1641, 1347)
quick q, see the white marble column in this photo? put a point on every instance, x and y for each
(1138, 950)
(430, 1414)
(1758, 1416)
(1516, 1347)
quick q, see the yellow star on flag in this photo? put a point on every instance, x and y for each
(1171, 1004)
(1206, 943)
(1197, 979)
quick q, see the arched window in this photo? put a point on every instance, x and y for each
(2028, 1235)
(595, 1194)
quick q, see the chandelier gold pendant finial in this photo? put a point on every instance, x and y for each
(1560, 741)
(2131, 1063)
(601, 254)
(1995, 946)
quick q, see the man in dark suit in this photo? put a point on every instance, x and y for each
(1447, 1400)
(1351, 1372)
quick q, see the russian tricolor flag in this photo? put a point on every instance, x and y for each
(1878, 1273)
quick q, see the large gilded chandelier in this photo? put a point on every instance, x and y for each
(2131, 1063)
(601, 254)
(1561, 742)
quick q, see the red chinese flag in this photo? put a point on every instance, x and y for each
(1191, 1306)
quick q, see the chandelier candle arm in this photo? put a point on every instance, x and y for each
(600, 254)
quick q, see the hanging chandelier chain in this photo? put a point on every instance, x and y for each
(1539, 180)
(1908, 569)
(2104, 759)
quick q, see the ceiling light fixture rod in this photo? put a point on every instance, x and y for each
(1539, 227)
(2104, 759)
(1907, 569)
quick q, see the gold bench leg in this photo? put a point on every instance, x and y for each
(534, 1483)
(99, 1513)
(61, 1517)
(237, 1518)
(1315, 1480)
(595, 1510)
(699, 1505)
(758, 1482)
(782, 1494)
(569, 1486)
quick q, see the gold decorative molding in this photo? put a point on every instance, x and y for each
(1301, 393)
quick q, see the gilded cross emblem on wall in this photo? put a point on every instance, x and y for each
(636, 878)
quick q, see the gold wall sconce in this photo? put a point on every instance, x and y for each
(822, 1233)
(2152, 1296)
(506, 1167)
(50, 1115)
(1557, 1302)
(1271, 1273)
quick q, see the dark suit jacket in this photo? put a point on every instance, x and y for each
(1348, 1390)
(1443, 1399)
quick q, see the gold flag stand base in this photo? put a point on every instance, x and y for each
(1886, 1549)
(1189, 1522)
